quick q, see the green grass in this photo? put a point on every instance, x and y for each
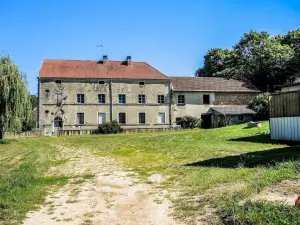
(207, 167)
(260, 213)
(22, 184)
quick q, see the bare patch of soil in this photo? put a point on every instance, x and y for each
(284, 192)
(110, 197)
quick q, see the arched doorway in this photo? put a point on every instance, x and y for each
(58, 124)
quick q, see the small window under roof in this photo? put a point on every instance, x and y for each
(101, 82)
(141, 83)
(58, 81)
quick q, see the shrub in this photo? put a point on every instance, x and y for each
(191, 122)
(260, 104)
(112, 127)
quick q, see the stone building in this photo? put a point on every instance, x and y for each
(78, 94)
(217, 101)
(81, 94)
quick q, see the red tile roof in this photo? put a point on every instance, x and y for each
(96, 69)
(215, 84)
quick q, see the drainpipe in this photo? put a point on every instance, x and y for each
(170, 103)
(110, 100)
(38, 107)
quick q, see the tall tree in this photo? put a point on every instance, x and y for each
(262, 61)
(215, 61)
(34, 101)
(15, 104)
(258, 59)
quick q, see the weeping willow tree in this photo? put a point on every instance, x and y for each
(15, 104)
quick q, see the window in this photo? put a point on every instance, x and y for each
(161, 118)
(101, 82)
(47, 93)
(101, 118)
(142, 118)
(80, 118)
(122, 118)
(241, 117)
(160, 99)
(122, 99)
(181, 99)
(80, 98)
(141, 83)
(142, 99)
(206, 100)
(101, 98)
(58, 81)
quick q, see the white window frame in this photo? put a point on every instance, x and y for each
(164, 117)
(99, 99)
(140, 97)
(80, 99)
(124, 98)
(179, 101)
(125, 117)
(98, 116)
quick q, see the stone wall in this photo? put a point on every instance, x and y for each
(66, 93)
(224, 98)
(12, 135)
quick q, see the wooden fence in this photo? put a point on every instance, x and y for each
(284, 104)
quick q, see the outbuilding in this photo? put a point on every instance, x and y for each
(285, 116)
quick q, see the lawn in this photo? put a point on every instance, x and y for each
(213, 169)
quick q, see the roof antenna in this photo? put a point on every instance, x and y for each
(100, 46)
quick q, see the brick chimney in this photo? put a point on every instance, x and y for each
(128, 60)
(105, 59)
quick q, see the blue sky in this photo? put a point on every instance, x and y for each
(173, 36)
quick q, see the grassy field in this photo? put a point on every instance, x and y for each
(213, 169)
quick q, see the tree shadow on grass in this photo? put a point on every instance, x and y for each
(253, 159)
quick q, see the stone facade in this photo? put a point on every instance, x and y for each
(233, 98)
(194, 105)
(58, 99)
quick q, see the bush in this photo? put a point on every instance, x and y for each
(191, 122)
(112, 127)
(260, 104)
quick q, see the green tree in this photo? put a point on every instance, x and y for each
(260, 104)
(34, 101)
(15, 103)
(215, 61)
(258, 59)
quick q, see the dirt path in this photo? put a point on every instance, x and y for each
(111, 197)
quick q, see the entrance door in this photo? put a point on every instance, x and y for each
(206, 121)
(101, 118)
(58, 124)
(161, 119)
